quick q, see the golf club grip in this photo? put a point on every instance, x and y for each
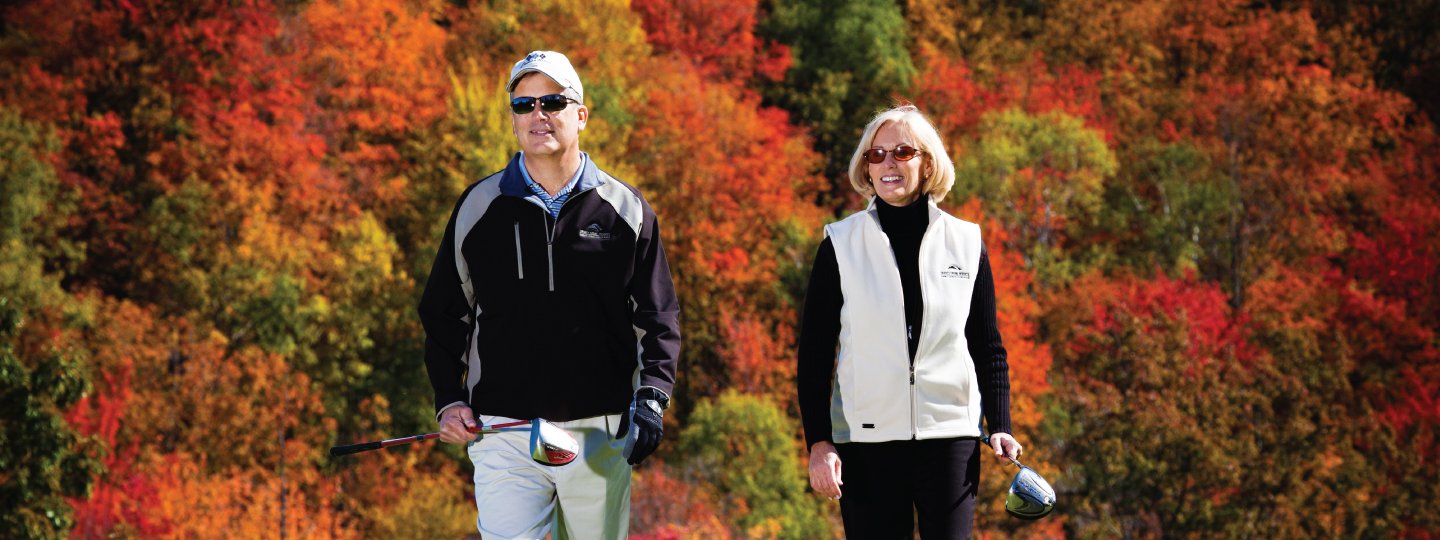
(336, 451)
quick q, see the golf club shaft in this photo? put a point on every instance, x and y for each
(344, 450)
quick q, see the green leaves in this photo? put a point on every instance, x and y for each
(850, 61)
(41, 459)
(1042, 176)
(33, 208)
(743, 447)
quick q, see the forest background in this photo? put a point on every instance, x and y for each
(1214, 226)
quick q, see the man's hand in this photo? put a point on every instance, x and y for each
(825, 470)
(643, 425)
(456, 423)
(1005, 447)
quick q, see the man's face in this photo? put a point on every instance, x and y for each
(542, 133)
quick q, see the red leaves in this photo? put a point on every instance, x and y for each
(717, 37)
(956, 98)
(1130, 305)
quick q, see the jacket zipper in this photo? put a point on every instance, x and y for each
(550, 233)
(519, 257)
(550, 243)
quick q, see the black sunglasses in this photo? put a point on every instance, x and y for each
(550, 103)
(903, 152)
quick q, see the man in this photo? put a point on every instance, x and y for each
(551, 298)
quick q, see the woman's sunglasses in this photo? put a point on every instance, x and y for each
(550, 103)
(903, 152)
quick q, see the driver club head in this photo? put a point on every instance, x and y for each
(1030, 497)
(550, 445)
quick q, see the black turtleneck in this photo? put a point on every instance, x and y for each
(820, 323)
(905, 226)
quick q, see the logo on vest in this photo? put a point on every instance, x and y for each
(594, 232)
(954, 271)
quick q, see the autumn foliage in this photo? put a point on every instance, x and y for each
(1212, 225)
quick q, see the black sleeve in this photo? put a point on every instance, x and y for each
(819, 331)
(982, 331)
(657, 311)
(444, 312)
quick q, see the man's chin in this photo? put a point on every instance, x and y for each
(543, 149)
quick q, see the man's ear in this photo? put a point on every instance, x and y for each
(583, 113)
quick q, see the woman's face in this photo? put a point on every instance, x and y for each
(896, 182)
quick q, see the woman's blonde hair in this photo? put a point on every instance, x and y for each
(936, 181)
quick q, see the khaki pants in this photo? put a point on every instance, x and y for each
(519, 498)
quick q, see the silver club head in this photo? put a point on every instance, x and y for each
(550, 445)
(1030, 497)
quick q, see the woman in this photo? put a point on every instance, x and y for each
(898, 408)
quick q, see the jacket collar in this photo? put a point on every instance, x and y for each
(512, 183)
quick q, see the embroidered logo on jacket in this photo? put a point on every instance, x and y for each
(954, 271)
(594, 232)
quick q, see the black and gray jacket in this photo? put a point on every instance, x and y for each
(529, 316)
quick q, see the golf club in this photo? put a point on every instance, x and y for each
(549, 445)
(1030, 496)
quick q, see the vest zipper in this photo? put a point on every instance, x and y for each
(919, 341)
(914, 407)
(519, 257)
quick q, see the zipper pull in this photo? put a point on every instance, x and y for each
(912, 374)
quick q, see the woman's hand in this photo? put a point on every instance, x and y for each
(1005, 447)
(825, 469)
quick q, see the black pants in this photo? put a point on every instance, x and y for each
(887, 483)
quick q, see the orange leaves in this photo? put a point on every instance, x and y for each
(664, 507)
(377, 66)
(193, 432)
(256, 181)
(733, 205)
(757, 351)
(750, 170)
(1016, 313)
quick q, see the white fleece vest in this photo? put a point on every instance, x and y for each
(873, 398)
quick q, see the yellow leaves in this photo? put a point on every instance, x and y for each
(364, 244)
(936, 25)
(428, 508)
(480, 111)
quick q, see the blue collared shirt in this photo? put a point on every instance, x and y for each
(552, 204)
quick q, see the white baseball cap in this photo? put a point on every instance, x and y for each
(552, 64)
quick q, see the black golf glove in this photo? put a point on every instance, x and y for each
(643, 425)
